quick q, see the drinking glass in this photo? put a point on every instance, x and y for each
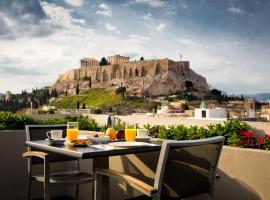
(72, 131)
(130, 132)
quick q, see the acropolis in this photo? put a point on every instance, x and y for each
(154, 77)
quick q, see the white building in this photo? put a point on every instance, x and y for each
(165, 111)
(210, 113)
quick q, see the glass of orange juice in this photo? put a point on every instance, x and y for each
(130, 132)
(72, 131)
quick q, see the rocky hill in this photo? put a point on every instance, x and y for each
(152, 77)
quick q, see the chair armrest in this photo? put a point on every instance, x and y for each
(39, 154)
(129, 180)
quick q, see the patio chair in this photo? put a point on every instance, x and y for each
(77, 177)
(185, 169)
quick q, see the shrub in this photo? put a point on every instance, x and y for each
(11, 121)
(236, 133)
(153, 130)
(87, 123)
(119, 124)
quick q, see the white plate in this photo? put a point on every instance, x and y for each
(128, 144)
(97, 140)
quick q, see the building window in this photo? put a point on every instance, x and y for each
(203, 113)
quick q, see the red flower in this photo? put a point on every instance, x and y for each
(242, 133)
(260, 141)
(267, 136)
(249, 134)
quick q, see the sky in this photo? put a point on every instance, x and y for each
(226, 41)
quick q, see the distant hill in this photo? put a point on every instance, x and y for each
(260, 96)
(1, 94)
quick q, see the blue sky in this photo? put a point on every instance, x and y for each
(227, 41)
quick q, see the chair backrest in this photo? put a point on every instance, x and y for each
(38, 132)
(187, 168)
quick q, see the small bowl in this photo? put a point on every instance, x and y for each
(99, 140)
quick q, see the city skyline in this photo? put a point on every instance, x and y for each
(225, 41)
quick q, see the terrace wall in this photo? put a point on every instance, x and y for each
(13, 170)
(244, 172)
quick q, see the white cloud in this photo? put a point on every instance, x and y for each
(147, 16)
(227, 64)
(160, 27)
(76, 3)
(185, 41)
(104, 9)
(112, 28)
(138, 38)
(152, 3)
(235, 10)
(7, 20)
(59, 16)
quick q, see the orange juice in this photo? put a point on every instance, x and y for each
(130, 135)
(72, 134)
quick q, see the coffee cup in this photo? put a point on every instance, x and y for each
(55, 134)
(142, 133)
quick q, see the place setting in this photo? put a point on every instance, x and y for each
(130, 137)
(55, 137)
(73, 138)
(134, 138)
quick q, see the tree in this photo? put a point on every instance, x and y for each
(242, 97)
(142, 58)
(90, 82)
(185, 106)
(83, 106)
(77, 89)
(121, 90)
(66, 93)
(103, 62)
(188, 84)
(216, 92)
(54, 93)
(78, 105)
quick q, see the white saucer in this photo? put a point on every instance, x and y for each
(56, 142)
(143, 139)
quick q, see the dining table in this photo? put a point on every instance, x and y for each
(100, 154)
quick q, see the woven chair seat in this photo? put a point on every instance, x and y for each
(71, 177)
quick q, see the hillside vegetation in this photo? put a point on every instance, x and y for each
(93, 98)
(107, 101)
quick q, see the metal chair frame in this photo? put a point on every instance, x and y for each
(155, 191)
(47, 160)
